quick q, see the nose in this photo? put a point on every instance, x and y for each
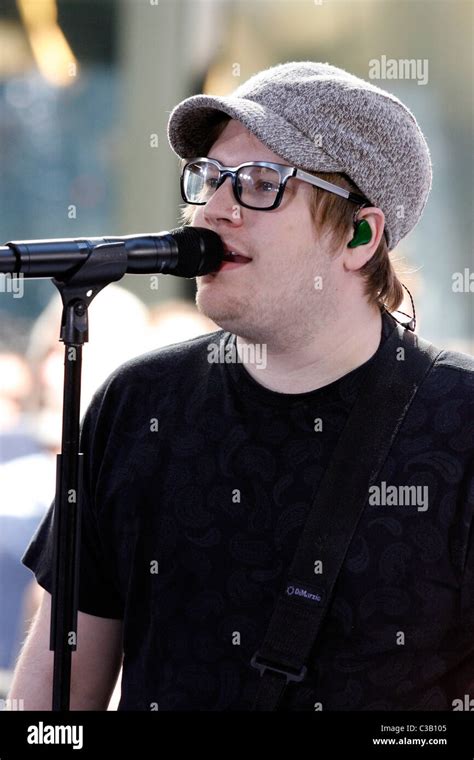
(223, 206)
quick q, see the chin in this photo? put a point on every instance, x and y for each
(223, 319)
(231, 313)
(233, 321)
(217, 309)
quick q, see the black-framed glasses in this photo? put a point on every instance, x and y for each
(257, 185)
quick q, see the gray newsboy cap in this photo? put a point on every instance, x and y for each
(321, 118)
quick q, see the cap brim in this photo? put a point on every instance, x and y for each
(190, 121)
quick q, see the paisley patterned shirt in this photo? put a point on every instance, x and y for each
(198, 481)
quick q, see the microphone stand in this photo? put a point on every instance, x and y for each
(107, 263)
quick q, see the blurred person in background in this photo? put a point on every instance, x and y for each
(16, 382)
(118, 330)
(175, 321)
(15, 385)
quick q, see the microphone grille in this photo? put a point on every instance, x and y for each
(199, 251)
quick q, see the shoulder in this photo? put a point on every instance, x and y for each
(173, 357)
(448, 367)
(169, 364)
(451, 376)
(158, 379)
(455, 363)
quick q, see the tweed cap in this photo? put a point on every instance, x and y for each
(321, 118)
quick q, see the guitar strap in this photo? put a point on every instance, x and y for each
(388, 388)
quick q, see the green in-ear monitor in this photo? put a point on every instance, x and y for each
(362, 234)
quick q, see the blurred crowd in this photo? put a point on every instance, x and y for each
(31, 387)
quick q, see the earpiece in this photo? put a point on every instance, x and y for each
(362, 234)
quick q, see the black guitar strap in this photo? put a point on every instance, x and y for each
(389, 387)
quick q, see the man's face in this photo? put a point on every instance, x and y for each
(273, 298)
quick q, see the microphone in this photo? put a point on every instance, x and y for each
(184, 252)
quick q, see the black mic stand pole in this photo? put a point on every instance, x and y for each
(106, 263)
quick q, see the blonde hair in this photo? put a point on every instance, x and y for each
(335, 216)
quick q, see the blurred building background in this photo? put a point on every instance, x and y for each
(86, 88)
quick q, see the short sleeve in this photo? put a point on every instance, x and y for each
(467, 606)
(98, 591)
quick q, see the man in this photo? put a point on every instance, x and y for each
(204, 458)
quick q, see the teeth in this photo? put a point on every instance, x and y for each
(229, 255)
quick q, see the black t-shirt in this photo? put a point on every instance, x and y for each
(198, 481)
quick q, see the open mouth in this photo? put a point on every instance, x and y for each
(232, 259)
(236, 258)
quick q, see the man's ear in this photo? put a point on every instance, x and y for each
(356, 257)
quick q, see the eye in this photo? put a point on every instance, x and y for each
(266, 186)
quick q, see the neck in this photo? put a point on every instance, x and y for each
(348, 342)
